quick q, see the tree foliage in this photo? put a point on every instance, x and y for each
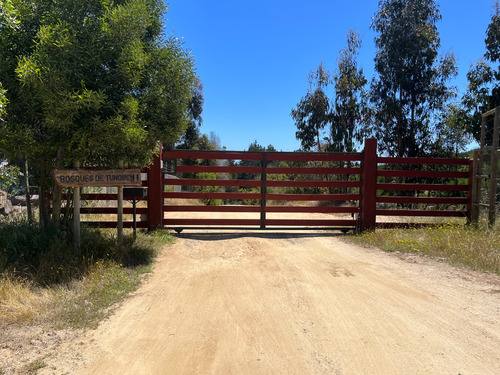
(483, 91)
(349, 102)
(312, 113)
(333, 124)
(410, 90)
(94, 81)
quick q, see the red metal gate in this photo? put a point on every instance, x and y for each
(261, 190)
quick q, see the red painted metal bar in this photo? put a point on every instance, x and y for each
(369, 187)
(155, 198)
(217, 169)
(182, 222)
(293, 156)
(193, 195)
(200, 182)
(315, 170)
(326, 210)
(422, 161)
(305, 223)
(228, 208)
(433, 187)
(430, 174)
(319, 184)
(426, 213)
(214, 155)
(313, 197)
(425, 200)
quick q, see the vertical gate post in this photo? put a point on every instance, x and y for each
(470, 215)
(263, 189)
(369, 186)
(155, 193)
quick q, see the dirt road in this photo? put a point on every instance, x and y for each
(296, 304)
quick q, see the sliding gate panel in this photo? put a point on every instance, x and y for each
(261, 190)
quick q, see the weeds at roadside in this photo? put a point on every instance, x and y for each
(475, 248)
(34, 366)
(44, 280)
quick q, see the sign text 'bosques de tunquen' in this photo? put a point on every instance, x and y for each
(87, 177)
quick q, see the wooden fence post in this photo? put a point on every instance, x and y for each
(367, 219)
(155, 193)
(470, 214)
(76, 213)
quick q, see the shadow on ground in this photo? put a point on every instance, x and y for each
(218, 236)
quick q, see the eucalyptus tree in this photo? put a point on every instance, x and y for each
(410, 89)
(483, 90)
(349, 104)
(312, 113)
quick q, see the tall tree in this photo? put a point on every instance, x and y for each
(192, 133)
(312, 113)
(94, 81)
(349, 103)
(410, 90)
(483, 91)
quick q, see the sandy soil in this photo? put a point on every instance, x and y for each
(268, 303)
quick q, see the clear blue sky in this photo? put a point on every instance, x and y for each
(253, 56)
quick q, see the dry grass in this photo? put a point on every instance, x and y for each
(81, 302)
(476, 248)
(21, 302)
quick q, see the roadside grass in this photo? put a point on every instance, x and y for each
(52, 284)
(473, 247)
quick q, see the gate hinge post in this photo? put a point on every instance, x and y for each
(368, 209)
(263, 190)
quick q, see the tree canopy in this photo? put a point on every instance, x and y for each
(483, 91)
(410, 89)
(94, 81)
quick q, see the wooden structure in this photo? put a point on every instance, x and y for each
(272, 189)
(486, 167)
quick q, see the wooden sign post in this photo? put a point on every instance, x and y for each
(76, 213)
(77, 178)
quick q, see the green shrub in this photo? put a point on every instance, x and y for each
(46, 255)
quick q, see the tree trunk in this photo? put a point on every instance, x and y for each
(57, 198)
(43, 212)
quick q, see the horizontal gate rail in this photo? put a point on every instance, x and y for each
(434, 187)
(193, 195)
(422, 174)
(313, 197)
(421, 161)
(421, 200)
(311, 156)
(217, 169)
(197, 182)
(313, 170)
